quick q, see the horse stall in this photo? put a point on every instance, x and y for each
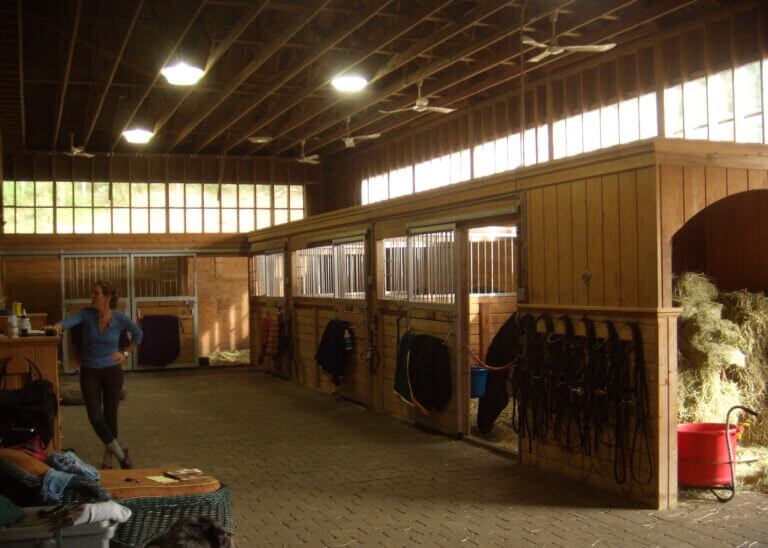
(266, 296)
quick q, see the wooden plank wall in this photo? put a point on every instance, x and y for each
(486, 316)
(391, 313)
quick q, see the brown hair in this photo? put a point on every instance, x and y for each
(108, 288)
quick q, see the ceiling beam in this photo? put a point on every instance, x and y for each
(20, 30)
(156, 77)
(469, 19)
(65, 81)
(298, 23)
(242, 25)
(319, 50)
(115, 66)
(465, 92)
(419, 75)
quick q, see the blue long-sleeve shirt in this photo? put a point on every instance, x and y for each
(98, 346)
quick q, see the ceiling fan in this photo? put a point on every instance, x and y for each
(421, 105)
(76, 151)
(312, 159)
(553, 48)
(351, 140)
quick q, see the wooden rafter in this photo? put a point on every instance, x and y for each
(169, 57)
(253, 66)
(418, 76)
(115, 66)
(287, 105)
(289, 74)
(20, 24)
(65, 81)
(222, 48)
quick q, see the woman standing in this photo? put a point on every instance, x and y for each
(101, 372)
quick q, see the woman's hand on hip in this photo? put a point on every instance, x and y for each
(119, 357)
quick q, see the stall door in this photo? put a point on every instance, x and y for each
(78, 274)
(164, 289)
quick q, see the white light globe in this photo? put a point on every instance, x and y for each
(182, 74)
(138, 135)
(349, 83)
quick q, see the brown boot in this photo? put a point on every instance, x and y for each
(125, 462)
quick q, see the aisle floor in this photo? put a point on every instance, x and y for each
(306, 468)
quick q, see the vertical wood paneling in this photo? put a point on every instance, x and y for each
(736, 180)
(762, 199)
(579, 232)
(695, 193)
(564, 244)
(628, 238)
(671, 203)
(611, 240)
(647, 239)
(596, 286)
(717, 187)
(552, 268)
(536, 248)
(757, 179)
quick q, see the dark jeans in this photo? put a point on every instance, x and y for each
(102, 383)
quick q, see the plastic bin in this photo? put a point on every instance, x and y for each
(87, 535)
(478, 377)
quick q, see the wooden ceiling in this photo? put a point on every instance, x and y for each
(89, 68)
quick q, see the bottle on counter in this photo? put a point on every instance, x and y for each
(24, 324)
(13, 325)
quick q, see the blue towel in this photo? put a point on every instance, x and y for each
(54, 483)
(70, 462)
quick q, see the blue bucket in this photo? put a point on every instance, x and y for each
(478, 377)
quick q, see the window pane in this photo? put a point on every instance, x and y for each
(101, 194)
(139, 195)
(648, 116)
(121, 194)
(695, 109)
(176, 195)
(44, 220)
(64, 219)
(263, 196)
(364, 192)
(574, 137)
(297, 196)
(609, 126)
(194, 220)
(559, 141)
(400, 184)
(157, 220)
(377, 189)
(8, 192)
(281, 196)
(720, 98)
(673, 112)
(513, 150)
(529, 144)
(263, 218)
(83, 220)
(157, 194)
(211, 220)
(297, 214)
(9, 220)
(246, 195)
(25, 220)
(25, 193)
(139, 220)
(542, 134)
(229, 220)
(748, 111)
(83, 196)
(281, 216)
(44, 193)
(501, 162)
(176, 220)
(194, 195)
(211, 195)
(228, 195)
(121, 220)
(246, 220)
(64, 194)
(629, 121)
(102, 220)
(591, 133)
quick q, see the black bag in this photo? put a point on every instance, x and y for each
(29, 410)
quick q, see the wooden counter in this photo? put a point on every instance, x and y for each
(43, 351)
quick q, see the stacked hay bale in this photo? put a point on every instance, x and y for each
(722, 345)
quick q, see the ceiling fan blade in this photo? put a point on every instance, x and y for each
(396, 110)
(531, 42)
(366, 137)
(590, 49)
(441, 110)
(543, 55)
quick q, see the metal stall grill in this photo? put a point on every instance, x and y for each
(491, 260)
(269, 278)
(350, 263)
(315, 272)
(396, 268)
(431, 267)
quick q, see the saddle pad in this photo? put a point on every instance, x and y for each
(117, 484)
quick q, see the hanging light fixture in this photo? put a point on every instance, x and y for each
(349, 83)
(138, 135)
(182, 74)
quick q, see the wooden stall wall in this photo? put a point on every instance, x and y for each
(260, 309)
(487, 313)
(35, 281)
(222, 308)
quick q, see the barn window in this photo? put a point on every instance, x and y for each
(491, 259)
(268, 274)
(350, 267)
(431, 267)
(395, 261)
(315, 272)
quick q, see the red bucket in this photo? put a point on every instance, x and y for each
(703, 459)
